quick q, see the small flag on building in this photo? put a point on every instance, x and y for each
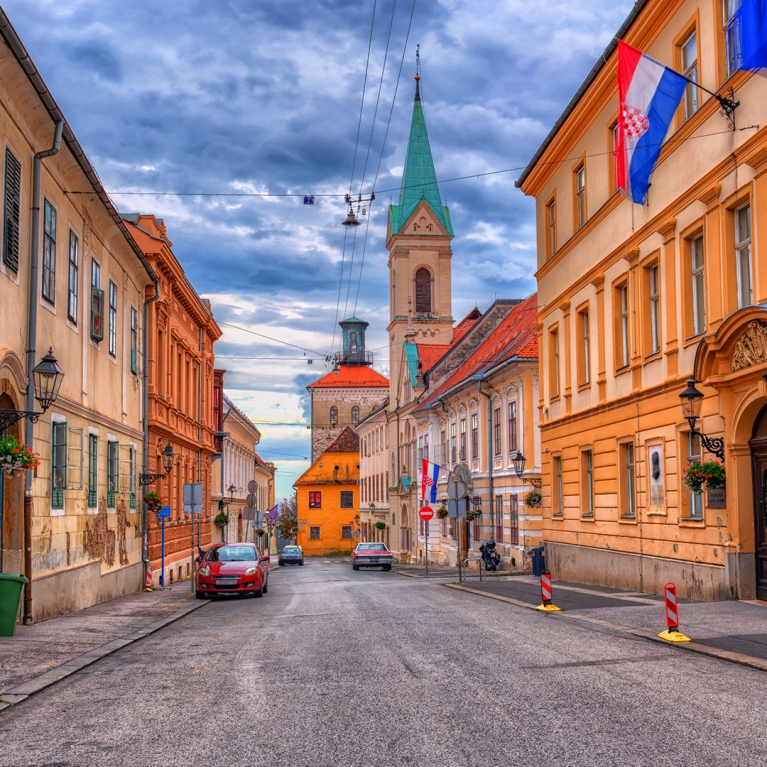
(429, 480)
(309, 199)
(747, 35)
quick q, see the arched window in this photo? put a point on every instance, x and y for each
(423, 291)
(355, 414)
(334, 414)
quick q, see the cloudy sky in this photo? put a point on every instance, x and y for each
(244, 97)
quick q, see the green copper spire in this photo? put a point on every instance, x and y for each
(419, 179)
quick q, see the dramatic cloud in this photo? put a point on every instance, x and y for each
(244, 97)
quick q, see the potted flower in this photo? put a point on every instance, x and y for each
(15, 456)
(708, 473)
(153, 501)
(472, 514)
(442, 512)
(533, 499)
(221, 519)
(380, 525)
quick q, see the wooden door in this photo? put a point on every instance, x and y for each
(760, 498)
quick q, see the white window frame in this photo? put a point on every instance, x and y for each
(743, 256)
(697, 272)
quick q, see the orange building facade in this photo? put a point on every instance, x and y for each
(181, 332)
(327, 498)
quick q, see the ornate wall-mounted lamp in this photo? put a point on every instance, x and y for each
(692, 400)
(519, 467)
(168, 458)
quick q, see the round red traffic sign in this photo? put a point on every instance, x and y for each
(426, 513)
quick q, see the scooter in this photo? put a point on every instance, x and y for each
(490, 556)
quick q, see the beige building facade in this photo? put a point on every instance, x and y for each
(373, 509)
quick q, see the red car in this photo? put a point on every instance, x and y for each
(232, 568)
(372, 555)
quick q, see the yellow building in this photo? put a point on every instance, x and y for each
(328, 496)
(633, 300)
(78, 538)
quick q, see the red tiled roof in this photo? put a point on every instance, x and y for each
(347, 441)
(352, 375)
(429, 354)
(515, 336)
(466, 324)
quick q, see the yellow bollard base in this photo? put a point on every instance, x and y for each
(674, 636)
(148, 589)
(549, 608)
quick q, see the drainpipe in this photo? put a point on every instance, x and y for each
(491, 489)
(31, 352)
(199, 442)
(145, 515)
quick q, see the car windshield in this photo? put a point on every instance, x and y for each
(371, 547)
(232, 554)
(291, 550)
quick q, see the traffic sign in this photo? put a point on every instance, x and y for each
(456, 490)
(426, 513)
(163, 512)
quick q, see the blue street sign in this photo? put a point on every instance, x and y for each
(164, 512)
(309, 199)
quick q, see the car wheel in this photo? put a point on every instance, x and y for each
(387, 567)
(258, 593)
(199, 595)
(301, 563)
(281, 563)
(266, 586)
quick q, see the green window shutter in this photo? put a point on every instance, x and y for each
(93, 470)
(58, 463)
(97, 314)
(11, 211)
(113, 465)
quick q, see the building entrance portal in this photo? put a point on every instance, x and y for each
(759, 455)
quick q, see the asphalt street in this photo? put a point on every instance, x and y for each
(343, 668)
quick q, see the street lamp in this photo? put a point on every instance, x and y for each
(168, 457)
(519, 467)
(692, 401)
(47, 377)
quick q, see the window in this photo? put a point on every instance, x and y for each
(443, 446)
(621, 336)
(698, 287)
(587, 483)
(113, 319)
(654, 297)
(474, 437)
(426, 446)
(93, 470)
(743, 255)
(355, 414)
(334, 414)
(513, 426)
(463, 439)
(113, 472)
(497, 430)
(423, 291)
(452, 444)
(499, 518)
(613, 130)
(346, 532)
(314, 533)
(580, 196)
(553, 364)
(690, 70)
(584, 351)
(557, 498)
(11, 211)
(74, 271)
(695, 453)
(49, 253)
(731, 36)
(628, 481)
(133, 340)
(514, 519)
(58, 463)
(315, 499)
(551, 220)
(97, 303)
(347, 499)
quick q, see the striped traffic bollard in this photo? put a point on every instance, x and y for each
(148, 581)
(547, 605)
(672, 632)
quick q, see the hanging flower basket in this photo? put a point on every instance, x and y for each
(710, 474)
(381, 525)
(533, 499)
(153, 502)
(442, 512)
(221, 519)
(472, 514)
(261, 531)
(16, 457)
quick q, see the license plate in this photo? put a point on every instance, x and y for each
(226, 582)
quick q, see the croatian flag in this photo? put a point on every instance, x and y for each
(747, 35)
(648, 95)
(428, 480)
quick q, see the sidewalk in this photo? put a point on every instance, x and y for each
(438, 571)
(41, 654)
(733, 631)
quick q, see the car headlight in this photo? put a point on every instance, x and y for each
(251, 571)
(204, 571)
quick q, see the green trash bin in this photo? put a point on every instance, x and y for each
(10, 596)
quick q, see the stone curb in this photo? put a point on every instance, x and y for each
(726, 655)
(499, 574)
(25, 690)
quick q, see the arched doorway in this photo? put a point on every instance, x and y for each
(11, 500)
(758, 445)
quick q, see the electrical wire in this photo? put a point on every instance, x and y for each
(270, 338)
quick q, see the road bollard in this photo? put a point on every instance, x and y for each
(547, 605)
(672, 632)
(148, 581)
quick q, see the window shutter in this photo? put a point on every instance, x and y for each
(423, 291)
(11, 212)
(58, 463)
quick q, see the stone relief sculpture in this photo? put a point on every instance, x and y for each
(751, 348)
